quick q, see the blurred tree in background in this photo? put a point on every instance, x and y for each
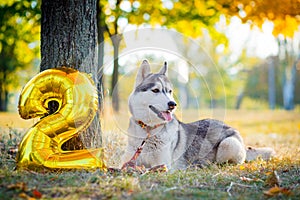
(109, 15)
(243, 73)
(187, 17)
(19, 43)
(117, 14)
(284, 15)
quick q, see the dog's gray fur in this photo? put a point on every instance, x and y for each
(174, 143)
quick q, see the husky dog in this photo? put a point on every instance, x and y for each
(167, 141)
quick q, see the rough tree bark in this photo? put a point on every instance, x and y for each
(69, 38)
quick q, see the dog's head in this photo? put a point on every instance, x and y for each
(152, 98)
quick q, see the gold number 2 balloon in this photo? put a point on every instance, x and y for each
(66, 100)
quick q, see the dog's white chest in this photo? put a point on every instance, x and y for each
(158, 148)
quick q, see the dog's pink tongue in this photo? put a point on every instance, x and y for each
(167, 116)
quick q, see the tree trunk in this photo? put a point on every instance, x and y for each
(101, 29)
(116, 39)
(3, 93)
(289, 75)
(3, 100)
(239, 100)
(272, 83)
(289, 80)
(183, 95)
(69, 38)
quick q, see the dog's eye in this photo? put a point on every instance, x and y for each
(155, 90)
(170, 91)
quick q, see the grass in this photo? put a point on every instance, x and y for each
(275, 179)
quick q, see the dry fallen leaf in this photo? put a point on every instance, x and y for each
(273, 179)
(246, 179)
(36, 194)
(20, 186)
(274, 191)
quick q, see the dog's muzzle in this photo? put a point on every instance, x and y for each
(164, 115)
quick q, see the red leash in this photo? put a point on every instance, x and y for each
(131, 162)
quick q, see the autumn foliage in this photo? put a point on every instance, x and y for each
(283, 13)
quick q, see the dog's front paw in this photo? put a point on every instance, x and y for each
(159, 168)
(131, 167)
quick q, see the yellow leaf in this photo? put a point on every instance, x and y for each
(274, 191)
(24, 195)
(242, 167)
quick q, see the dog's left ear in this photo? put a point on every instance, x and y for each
(164, 69)
(142, 73)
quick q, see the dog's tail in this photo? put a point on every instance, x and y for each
(265, 153)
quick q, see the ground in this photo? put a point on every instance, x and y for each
(275, 179)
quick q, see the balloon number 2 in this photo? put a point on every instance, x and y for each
(66, 101)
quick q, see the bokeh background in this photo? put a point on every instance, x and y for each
(253, 46)
(224, 56)
(233, 60)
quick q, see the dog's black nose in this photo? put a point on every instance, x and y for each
(171, 105)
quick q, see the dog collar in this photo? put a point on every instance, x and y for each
(147, 127)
